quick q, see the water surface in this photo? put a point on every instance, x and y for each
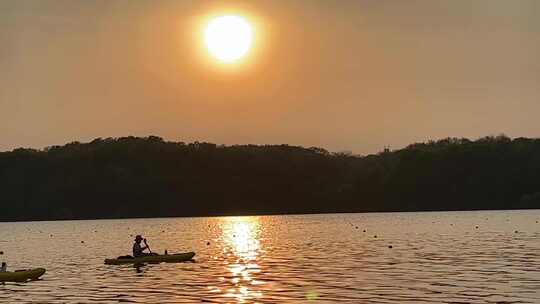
(435, 257)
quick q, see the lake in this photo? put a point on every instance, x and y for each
(424, 257)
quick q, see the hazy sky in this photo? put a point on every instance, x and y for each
(343, 75)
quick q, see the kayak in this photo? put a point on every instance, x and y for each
(21, 275)
(159, 258)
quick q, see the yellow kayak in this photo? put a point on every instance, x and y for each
(158, 258)
(21, 275)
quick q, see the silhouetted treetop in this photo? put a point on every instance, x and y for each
(141, 177)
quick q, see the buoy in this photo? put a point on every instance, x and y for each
(516, 231)
(207, 243)
(390, 246)
(375, 236)
(476, 227)
(82, 242)
(1, 252)
(364, 230)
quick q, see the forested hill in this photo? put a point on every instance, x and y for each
(149, 177)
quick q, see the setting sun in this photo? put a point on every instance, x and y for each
(259, 151)
(228, 38)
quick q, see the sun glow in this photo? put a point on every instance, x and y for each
(228, 38)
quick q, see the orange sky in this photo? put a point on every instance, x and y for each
(343, 75)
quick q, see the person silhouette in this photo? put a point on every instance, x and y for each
(138, 250)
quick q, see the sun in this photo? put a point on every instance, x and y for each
(228, 38)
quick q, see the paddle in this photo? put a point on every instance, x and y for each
(150, 250)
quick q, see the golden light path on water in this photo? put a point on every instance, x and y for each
(241, 238)
(435, 257)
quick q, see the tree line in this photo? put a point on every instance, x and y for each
(149, 177)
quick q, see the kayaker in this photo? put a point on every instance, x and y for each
(4, 267)
(138, 250)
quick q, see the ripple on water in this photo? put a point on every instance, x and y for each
(438, 257)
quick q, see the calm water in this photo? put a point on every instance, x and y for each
(435, 258)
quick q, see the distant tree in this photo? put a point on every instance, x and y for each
(136, 177)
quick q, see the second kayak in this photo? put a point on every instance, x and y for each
(21, 275)
(167, 258)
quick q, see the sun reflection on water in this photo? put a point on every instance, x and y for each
(241, 235)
